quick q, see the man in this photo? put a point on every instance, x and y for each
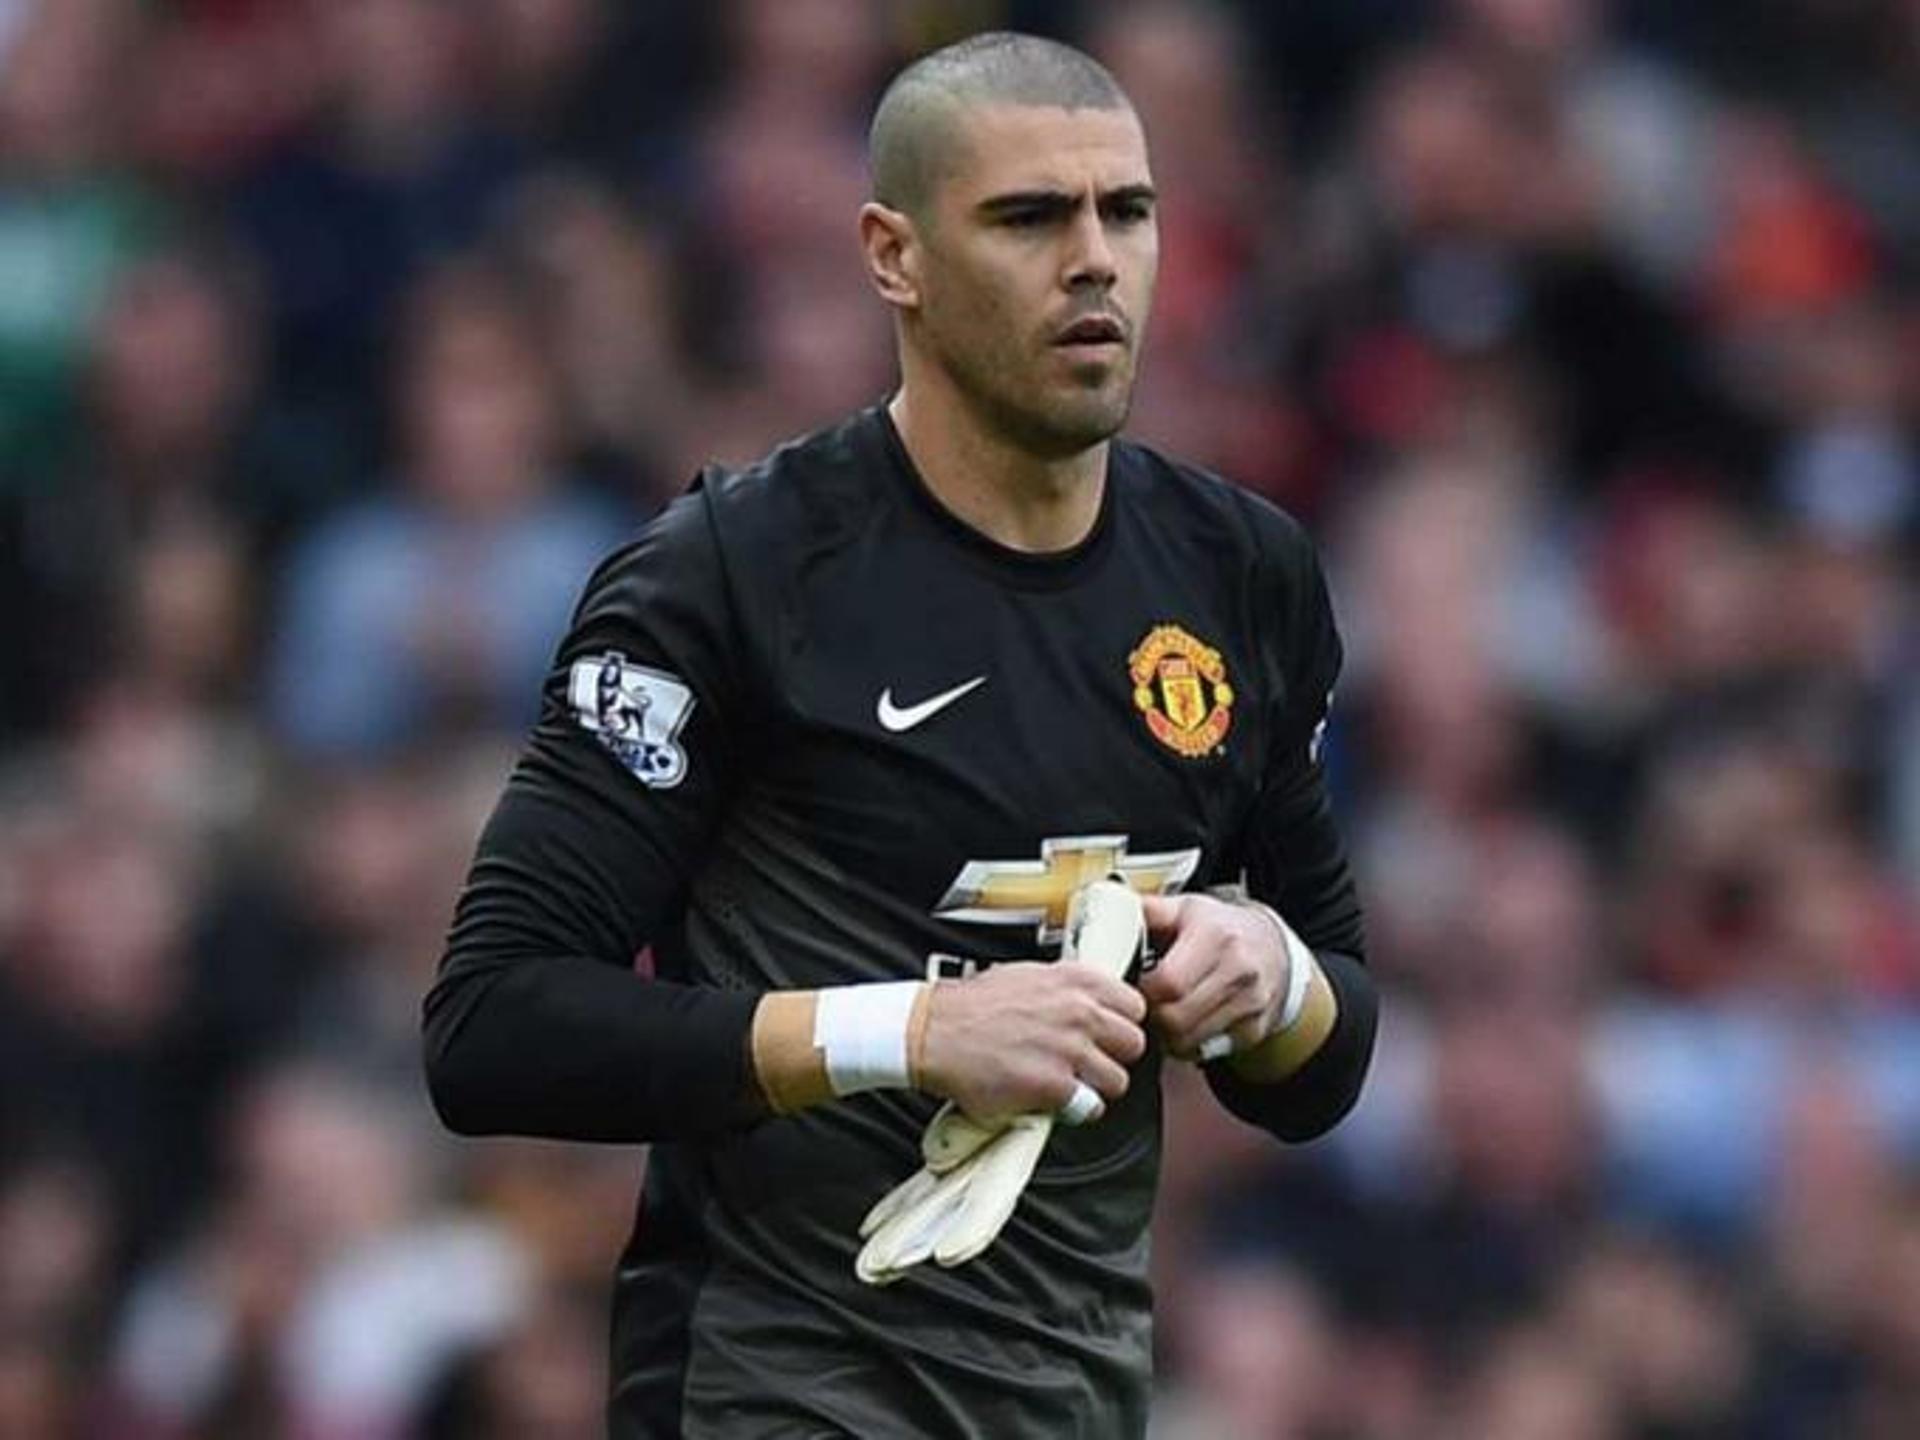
(887, 699)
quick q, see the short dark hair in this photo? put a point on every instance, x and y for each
(910, 142)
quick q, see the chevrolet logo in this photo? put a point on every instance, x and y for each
(1036, 892)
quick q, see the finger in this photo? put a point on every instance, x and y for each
(909, 1234)
(1123, 1039)
(1181, 1021)
(1103, 1073)
(1181, 969)
(1116, 997)
(1162, 914)
(1002, 1177)
(1236, 1018)
(908, 1193)
(1122, 1000)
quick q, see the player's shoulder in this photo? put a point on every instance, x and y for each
(804, 490)
(754, 521)
(1179, 498)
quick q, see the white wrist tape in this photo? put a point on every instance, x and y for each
(861, 1032)
(1300, 968)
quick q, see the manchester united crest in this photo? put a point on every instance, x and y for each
(1180, 686)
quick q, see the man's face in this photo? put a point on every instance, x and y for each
(1039, 250)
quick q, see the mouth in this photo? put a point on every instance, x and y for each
(1092, 332)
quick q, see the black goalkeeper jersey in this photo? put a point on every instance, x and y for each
(811, 729)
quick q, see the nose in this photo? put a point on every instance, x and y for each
(1090, 259)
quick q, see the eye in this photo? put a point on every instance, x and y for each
(1025, 219)
(1130, 212)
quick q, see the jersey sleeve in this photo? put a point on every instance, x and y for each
(538, 1022)
(1296, 861)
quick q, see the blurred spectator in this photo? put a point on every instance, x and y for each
(97, 1043)
(40, 1388)
(1514, 1170)
(1471, 223)
(1219, 165)
(546, 1377)
(597, 83)
(1890, 1397)
(1862, 114)
(604, 279)
(1849, 472)
(1668, 1337)
(1641, 126)
(1789, 243)
(1531, 1384)
(400, 167)
(139, 535)
(318, 1302)
(570, 1206)
(441, 603)
(364, 848)
(1261, 1362)
(70, 212)
(785, 331)
(223, 81)
(56, 1253)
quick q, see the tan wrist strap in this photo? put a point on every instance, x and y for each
(790, 1064)
(1286, 1051)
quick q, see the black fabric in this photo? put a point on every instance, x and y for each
(712, 778)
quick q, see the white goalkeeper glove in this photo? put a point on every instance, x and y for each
(955, 1205)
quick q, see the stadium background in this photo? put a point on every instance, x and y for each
(337, 338)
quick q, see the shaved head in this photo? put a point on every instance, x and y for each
(916, 130)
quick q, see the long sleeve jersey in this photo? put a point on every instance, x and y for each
(811, 729)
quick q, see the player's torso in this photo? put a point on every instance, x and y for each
(950, 743)
(956, 742)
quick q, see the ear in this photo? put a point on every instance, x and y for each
(892, 248)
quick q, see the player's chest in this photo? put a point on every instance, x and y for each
(929, 720)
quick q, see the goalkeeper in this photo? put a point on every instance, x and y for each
(829, 766)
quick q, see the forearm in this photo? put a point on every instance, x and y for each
(574, 1049)
(538, 1023)
(1299, 1084)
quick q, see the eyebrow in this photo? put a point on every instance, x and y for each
(1015, 200)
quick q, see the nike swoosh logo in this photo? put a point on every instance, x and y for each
(897, 719)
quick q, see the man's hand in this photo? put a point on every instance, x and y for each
(1015, 1038)
(975, 1171)
(1222, 972)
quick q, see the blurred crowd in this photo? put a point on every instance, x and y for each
(339, 337)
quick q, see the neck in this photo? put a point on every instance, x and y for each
(1012, 496)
